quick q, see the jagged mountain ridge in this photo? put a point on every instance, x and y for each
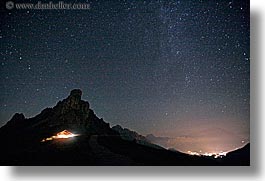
(72, 113)
(98, 144)
(130, 135)
(162, 141)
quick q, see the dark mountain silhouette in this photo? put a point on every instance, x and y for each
(238, 157)
(34, 141)
(129, 135)
(162, 141)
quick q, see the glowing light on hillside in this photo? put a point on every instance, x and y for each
(61, 135)
(215, 155)
(193, 153)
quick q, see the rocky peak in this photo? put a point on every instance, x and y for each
(76, 94)
(74, 102)
(18, 116)
(17, 119)
(74, 99)
(72, 113)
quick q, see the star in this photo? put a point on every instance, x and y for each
(179, 67)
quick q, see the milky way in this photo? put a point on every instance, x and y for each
(172, 68)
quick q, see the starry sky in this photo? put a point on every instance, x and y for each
(172, 68)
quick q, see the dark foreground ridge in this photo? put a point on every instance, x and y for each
(97, 143)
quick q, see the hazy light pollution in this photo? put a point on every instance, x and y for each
(172, 68)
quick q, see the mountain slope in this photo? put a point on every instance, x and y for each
(238, 157)
(130, 135)
(35, 141)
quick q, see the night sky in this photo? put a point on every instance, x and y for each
(172, 68)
